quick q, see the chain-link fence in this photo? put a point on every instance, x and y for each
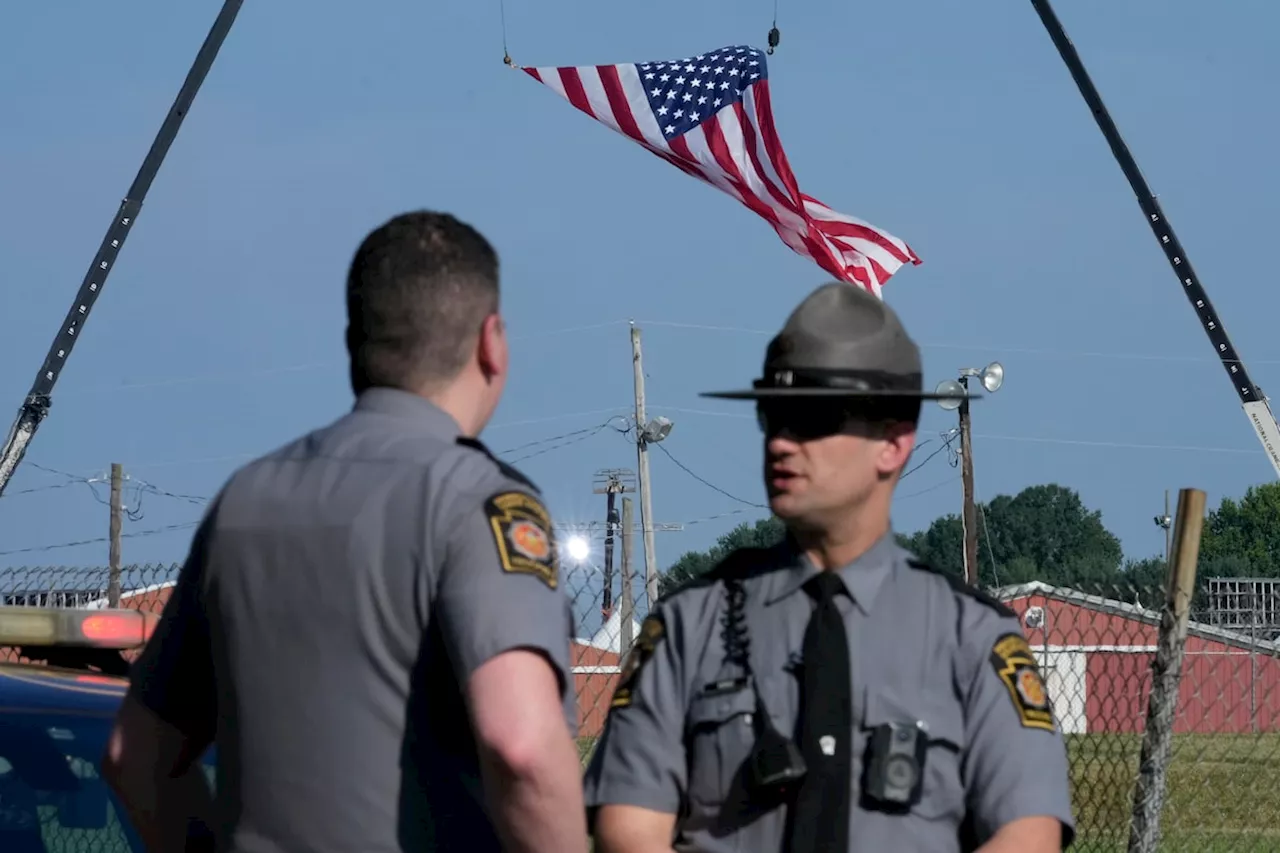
(1095, 642)
(1096, 647)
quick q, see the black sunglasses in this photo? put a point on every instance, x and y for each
(809, 419)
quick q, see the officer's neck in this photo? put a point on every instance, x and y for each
(468, 410)
(833, 547)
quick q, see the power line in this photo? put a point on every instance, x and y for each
(946, 445)
(986, 529)
(705, 482)
(984, 347)
(932, 488)
(153, 532)
(562, 441)
(1188, 448)
(240, 376)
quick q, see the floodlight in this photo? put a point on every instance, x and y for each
(577, 548)
(993, 377)
(954, 390)
(656, 430)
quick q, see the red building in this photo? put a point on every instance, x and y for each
(1096, 653)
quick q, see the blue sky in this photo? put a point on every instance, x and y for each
(955, 126)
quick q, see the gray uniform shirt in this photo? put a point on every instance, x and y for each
(337, 594)
(922, 649)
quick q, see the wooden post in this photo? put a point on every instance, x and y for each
(626, 608)
(113, 557)
(1166, 673)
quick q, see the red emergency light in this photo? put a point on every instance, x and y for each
(52, 626)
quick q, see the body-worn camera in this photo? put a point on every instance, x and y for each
(895, 763)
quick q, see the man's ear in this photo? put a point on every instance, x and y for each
(491, 347)
(896, 444)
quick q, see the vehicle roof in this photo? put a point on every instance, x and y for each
(28, 687)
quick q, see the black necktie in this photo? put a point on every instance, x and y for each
(819, 819)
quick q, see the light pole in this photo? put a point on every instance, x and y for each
(991, 377)
(1165, 522)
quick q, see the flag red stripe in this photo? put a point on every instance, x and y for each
(618, 103)
(574, 92)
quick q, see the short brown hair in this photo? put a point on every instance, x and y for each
(418, 290)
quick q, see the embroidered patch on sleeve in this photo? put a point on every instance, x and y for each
(1015, 664)
(652, 630)
(522, 530)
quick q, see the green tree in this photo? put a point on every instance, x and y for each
(1042, 533)
(763, 534)
(1242, 538)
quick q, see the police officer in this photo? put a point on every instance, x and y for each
(370, 625)
(831, 693)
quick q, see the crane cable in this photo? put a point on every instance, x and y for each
(775, 36)
(502, 15)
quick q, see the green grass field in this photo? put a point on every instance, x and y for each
(1223, 794)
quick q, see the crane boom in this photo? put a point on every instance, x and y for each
(1255, 404)
(36, 405)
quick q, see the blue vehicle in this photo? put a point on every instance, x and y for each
(56, 712)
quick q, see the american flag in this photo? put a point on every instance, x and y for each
(710, 116)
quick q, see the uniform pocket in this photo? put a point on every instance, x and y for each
(720, 735)
(942, 794)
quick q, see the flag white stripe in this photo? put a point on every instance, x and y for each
(589, 76)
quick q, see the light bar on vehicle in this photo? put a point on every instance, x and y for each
(53, 626)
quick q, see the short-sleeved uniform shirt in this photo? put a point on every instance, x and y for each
(337, 594)
(923, 650)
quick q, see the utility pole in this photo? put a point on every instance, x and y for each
(642, 462)
(627, 607)
(610, 482)
(957, 397)
(970, 515)
(113, 558)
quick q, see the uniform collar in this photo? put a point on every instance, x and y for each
(862, 578)
(402, 404)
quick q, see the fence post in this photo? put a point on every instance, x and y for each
(1166, 673)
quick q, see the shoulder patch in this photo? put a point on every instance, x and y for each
(1015, 664)
(522, 531)
(652, 632)
(962, 588)
(508, 470)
